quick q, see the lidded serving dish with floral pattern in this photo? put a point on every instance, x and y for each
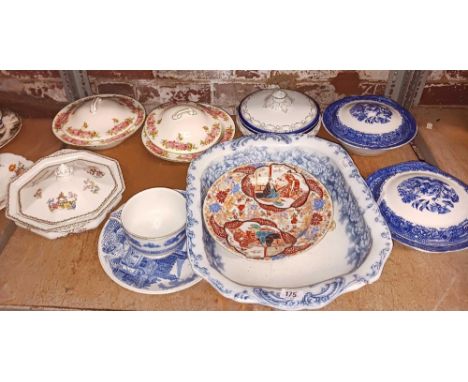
(98, 122)
(69, 191)
(278, 111)
(181, 131)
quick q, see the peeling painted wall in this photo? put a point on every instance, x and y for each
(41, 93)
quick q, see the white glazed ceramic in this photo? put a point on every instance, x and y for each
(150, 128)
(154, 221)
(134, 271)
(347, 258)
(426, 208)
(67, 192)
(369, 125)
(11, 166)
(98, 122)
(10, 126)
(246, 132)
(184, 128)
(278, 111)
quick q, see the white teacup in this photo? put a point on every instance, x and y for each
(154, 221)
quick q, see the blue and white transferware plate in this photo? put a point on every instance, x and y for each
(352, 254)
(425, 208)
(278, 111)
(138, 273)
(369, 125)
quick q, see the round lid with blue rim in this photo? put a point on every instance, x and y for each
(372, 122)
(425, 208)
(279, 111)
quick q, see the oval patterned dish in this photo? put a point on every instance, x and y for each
(10, 126)
(369, 125)
(278, 111)
(227, 133)
(346, 258)
(98, 122)
(11, 166)
(425, 208)
(267, 210)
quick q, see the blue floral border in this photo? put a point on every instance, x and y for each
(315, 296)
(404, 134)
(453, 238)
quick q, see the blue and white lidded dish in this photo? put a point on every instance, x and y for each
(369, 125)
(278, 111)
(425, 208)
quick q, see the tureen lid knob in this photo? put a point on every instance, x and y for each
(94, 105)
(63, 170)
(279, 94)
(278, 100)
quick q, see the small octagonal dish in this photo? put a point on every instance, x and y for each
(425, 208)
(349, 256)
(369, 125)
(67, 192)
(10, 126)
(11, 166)
(278, 111)
(181, 131)
(98, 122)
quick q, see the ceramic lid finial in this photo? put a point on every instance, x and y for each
(63, 170)
(278, 100)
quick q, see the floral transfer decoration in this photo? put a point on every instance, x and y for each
(91, 185)
(94, 171)
(63, 202)
(38, 193)
(265, 210)
(17, 168)
(120, 126)
(371, 113)
(426, 193)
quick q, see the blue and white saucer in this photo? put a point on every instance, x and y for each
(425, 208)
(138, 273)
(369, 124)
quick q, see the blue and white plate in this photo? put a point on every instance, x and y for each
(138, 273)
(425, 208)
(369, 125)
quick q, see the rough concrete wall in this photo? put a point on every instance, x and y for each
(41, 93)
(446, 87)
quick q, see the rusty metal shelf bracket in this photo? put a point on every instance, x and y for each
(76, 84)
(406, 86)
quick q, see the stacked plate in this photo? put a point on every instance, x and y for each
(425, 208)
(67, 192)
(181, 132)
(369, 125)
(98, 122)
(10, 126)
(284, 221)
(278, 111)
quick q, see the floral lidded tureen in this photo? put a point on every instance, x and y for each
(278, 111)
(425, 208)
(181, 131)
(369, 125)
(69, 191)
(98, 122)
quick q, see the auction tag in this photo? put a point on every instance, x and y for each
(291, 294)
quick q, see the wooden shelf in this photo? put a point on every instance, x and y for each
(36, 273)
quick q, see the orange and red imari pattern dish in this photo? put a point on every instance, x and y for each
(267, 210)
